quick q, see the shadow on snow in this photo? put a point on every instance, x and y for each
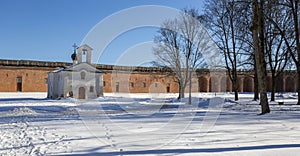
(190, 151)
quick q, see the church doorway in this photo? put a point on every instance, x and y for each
(81, 93)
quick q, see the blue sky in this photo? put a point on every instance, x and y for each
(46, 29)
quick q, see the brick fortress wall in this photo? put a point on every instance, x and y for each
(130, 79)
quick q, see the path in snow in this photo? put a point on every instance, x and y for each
(20, 135)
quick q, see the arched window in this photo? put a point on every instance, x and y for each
(82, 75)
(144, 84)
(168, 87)
(131, 84)
(91, 88)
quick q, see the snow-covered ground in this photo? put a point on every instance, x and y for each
(148, 124)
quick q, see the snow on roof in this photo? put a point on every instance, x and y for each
(70, 68)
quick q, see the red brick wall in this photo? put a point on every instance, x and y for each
(33, 79)
(137, 79)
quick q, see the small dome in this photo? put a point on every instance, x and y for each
(74, 56)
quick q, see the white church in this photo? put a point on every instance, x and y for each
(80, 81)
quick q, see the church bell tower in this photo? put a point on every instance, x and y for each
(84, 54)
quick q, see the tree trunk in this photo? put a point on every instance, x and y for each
(181, 91)
(256, 88)
(235, 89)
(190, 87)
(236, 95)
(273, 86)
(258, 39)
(235, 79)
(262, 62)
(236, 86)
(298, 74)
(296, 27)
(273, 91)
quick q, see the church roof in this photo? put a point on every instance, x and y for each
(85, 46)
(78, 67)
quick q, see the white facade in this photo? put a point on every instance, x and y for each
(80, 81)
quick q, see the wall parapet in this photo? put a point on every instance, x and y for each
(30, 63)
(49, 64)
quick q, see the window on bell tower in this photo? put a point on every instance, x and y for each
(84, 55)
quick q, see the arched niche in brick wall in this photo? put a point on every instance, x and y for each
(269, 84)
(248, 84)
(203, 84)
(223, 84)
(290, 85)
(280, 83)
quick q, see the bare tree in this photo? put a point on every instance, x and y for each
(290, 33)
(180, 44)
(224, 19)
(168, 51)
(244, 29)
(277, 53)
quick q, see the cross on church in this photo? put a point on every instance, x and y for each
(75, 47)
